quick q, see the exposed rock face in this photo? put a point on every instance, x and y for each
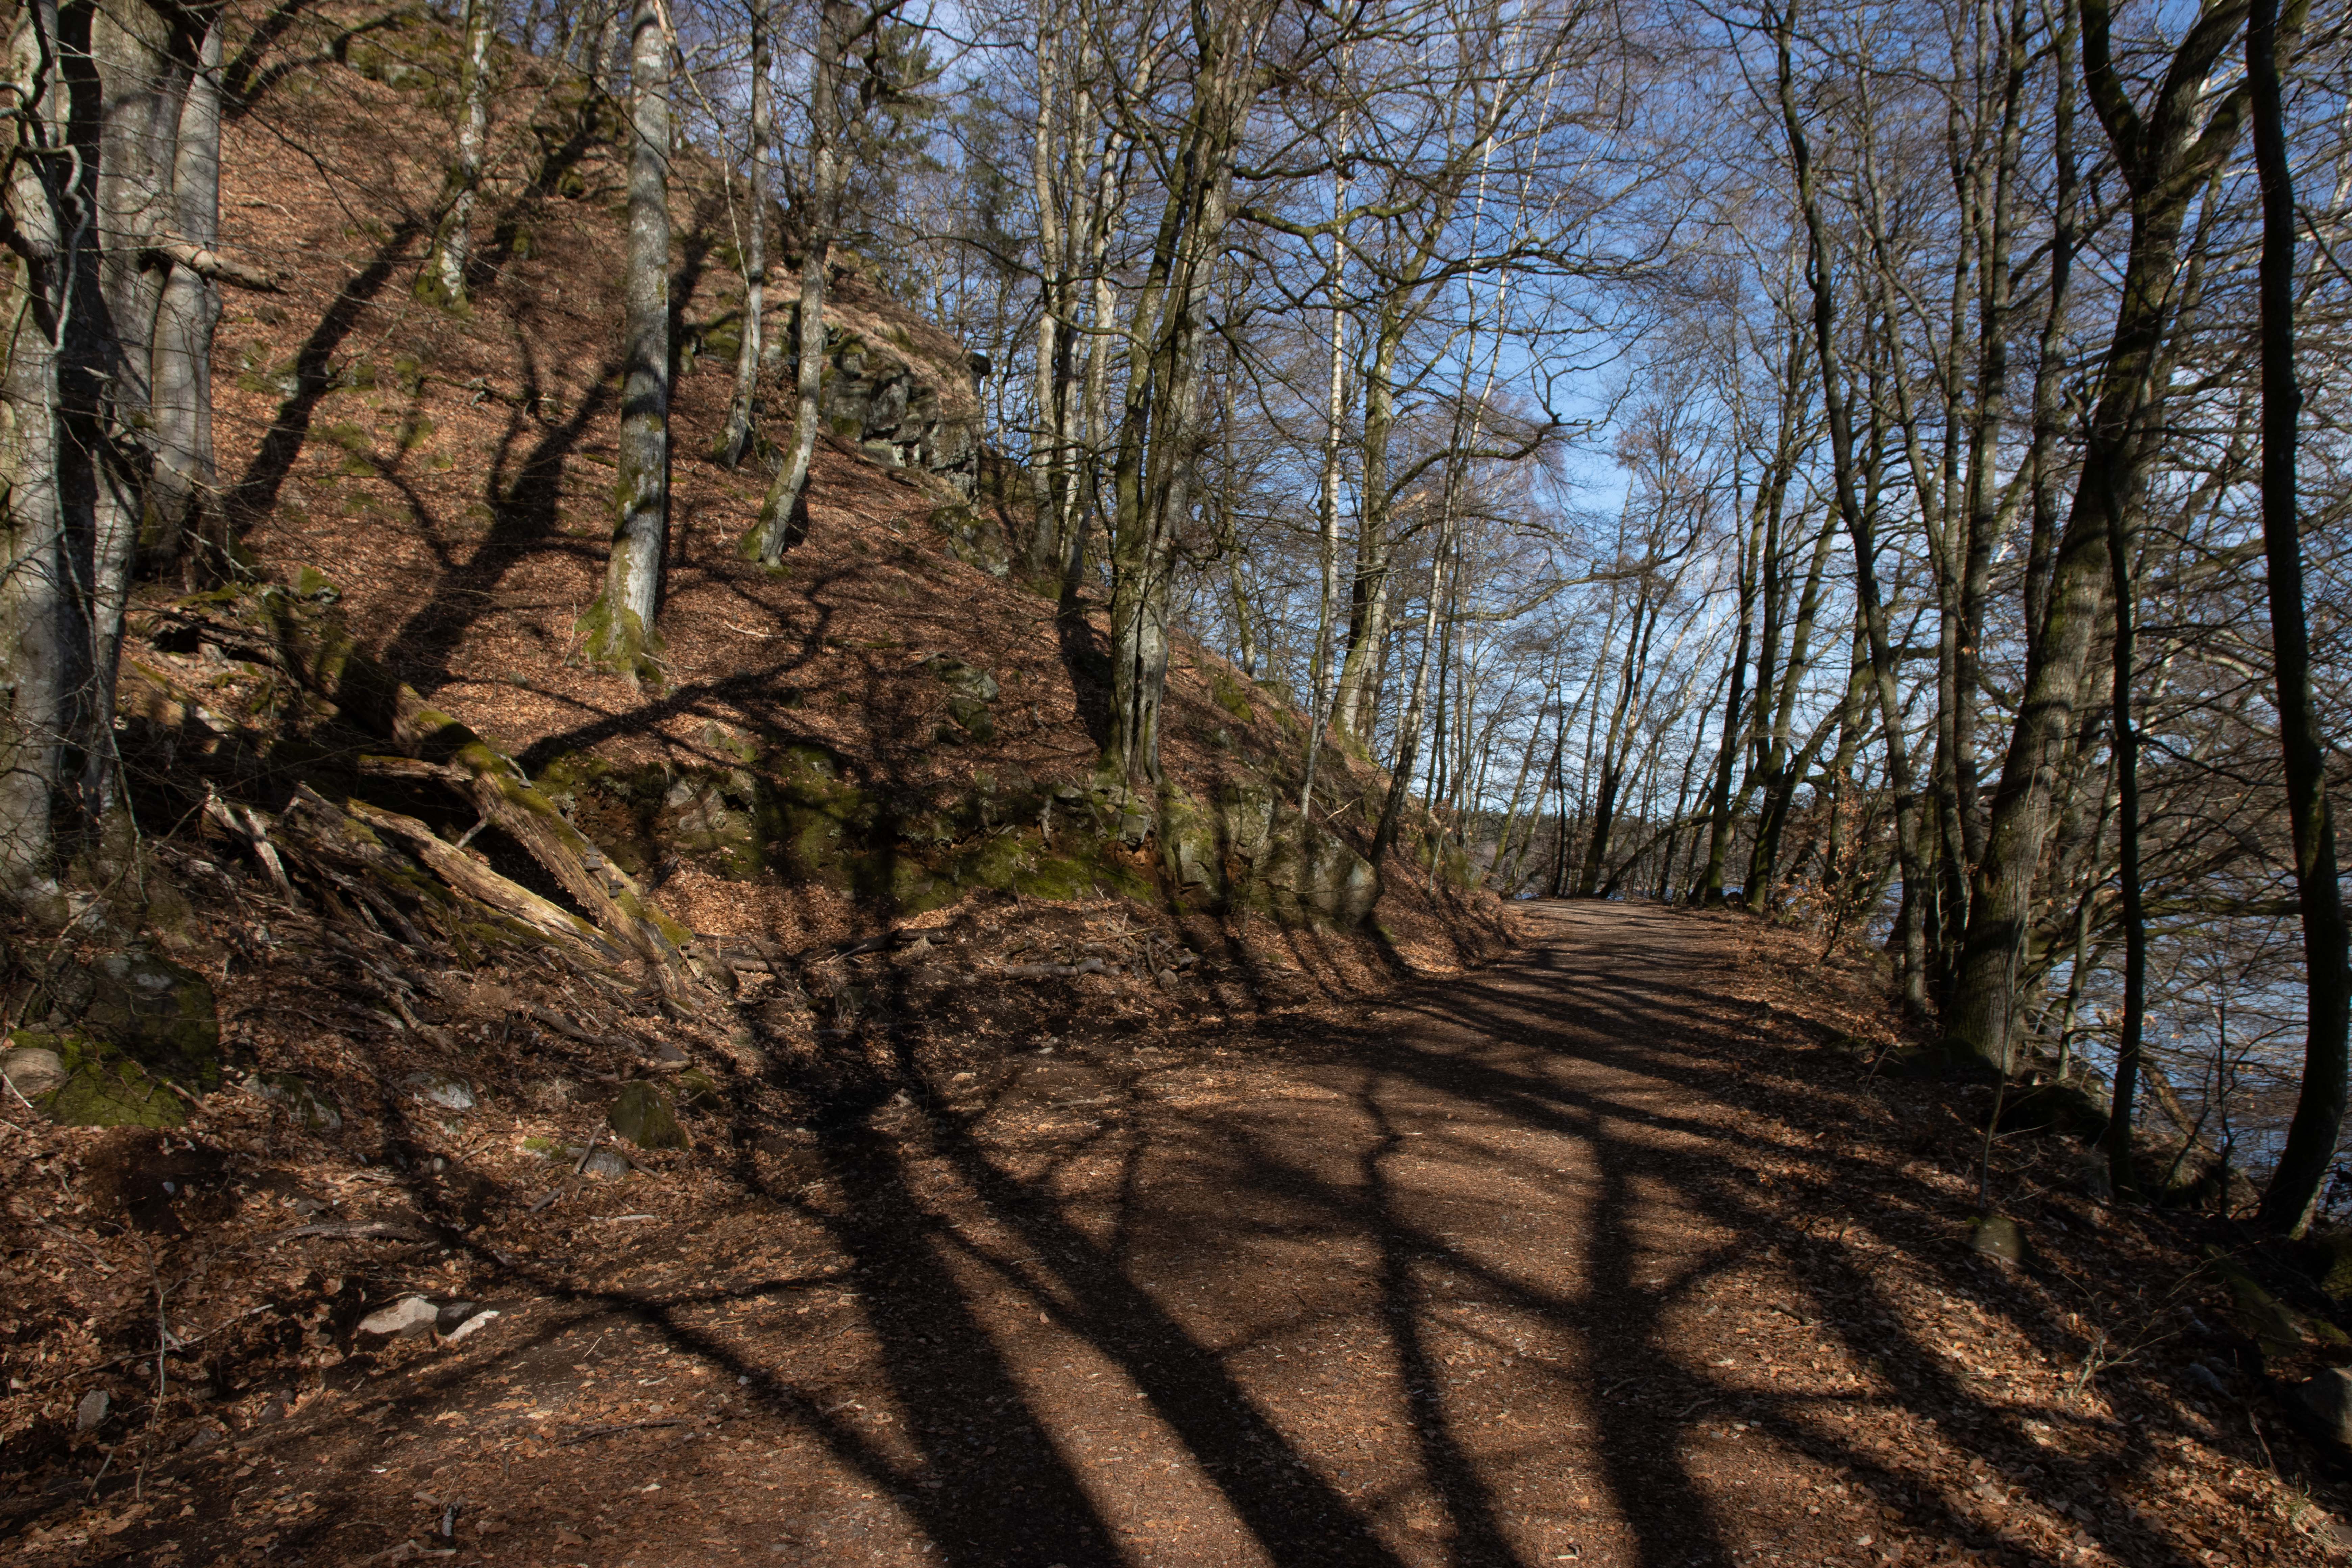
(792, 811)
(879, 400)
(903, 392)
(1273, 864)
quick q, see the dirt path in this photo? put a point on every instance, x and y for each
(1507, 1273)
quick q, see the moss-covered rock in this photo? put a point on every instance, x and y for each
(973, 538)
(1287, 872)
(971, 691)
(2332, 1258)
(2276, 1327)
(718, 819)
(1232, 695)
(99, 1086)
(1997, 1237)
(2061, 1108)
(149, 1009)
(1190, 849)
(643, 1114)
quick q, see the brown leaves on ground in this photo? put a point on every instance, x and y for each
(1616, 1251)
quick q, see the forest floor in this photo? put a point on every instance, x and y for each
(1619, 1250)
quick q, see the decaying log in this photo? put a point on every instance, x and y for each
(470, 877)
(329, 662)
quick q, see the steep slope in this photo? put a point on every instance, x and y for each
(427, 925)
(450, 477)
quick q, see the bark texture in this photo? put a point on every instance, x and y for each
(2166, 154)
(620, 626)
(743, 413)
(2327, 945)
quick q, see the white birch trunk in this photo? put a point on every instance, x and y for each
(456, 246)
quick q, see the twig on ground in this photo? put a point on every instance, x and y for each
(572, 1183)
(583, 1435)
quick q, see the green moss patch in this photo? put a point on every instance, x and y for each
(102, 1087)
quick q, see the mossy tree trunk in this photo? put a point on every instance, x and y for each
(452, 247)
(619, 627)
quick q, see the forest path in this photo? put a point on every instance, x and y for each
(1526, 1267)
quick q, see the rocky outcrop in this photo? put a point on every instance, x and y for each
(905, 393)
(1248, 849)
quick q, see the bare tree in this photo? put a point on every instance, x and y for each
(619, 628)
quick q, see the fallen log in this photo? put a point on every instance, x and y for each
(318, 651)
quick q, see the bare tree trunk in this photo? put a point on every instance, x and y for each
(781, 517)
(1151, 472)
(744, 413)
(113, 203)
(1857, 521)
(2165, 154)
(1409, 725)
(454, 247)
(184, 527)
(2124, 738)
(42, 617)
(1355, 707)
(1719, 835)
(1327, 503)
(2327, 945)
(620, 624)
(1049, 455)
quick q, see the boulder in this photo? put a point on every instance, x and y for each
(32, 1070)
(2328, 1400)
(1997, 1237)
(605, 1165)
(409, 1315)
(439, 1089)
(643, 1115)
